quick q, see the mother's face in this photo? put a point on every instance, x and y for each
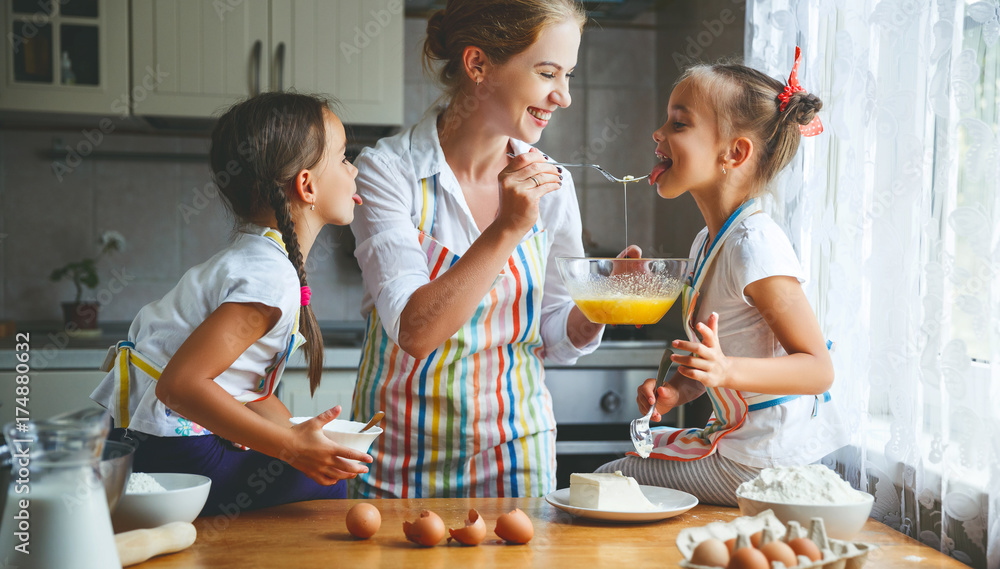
(524, 91)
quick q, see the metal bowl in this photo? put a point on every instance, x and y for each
(115, 468)
(623, 291)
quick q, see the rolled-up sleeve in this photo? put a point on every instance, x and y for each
(393, 265)
(562, 220)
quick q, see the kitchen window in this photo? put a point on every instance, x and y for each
(895, 214)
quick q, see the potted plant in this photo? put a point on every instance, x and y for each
(82, 314)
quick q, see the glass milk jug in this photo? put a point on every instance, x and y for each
(56, 513)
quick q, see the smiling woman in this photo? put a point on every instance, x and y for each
(462, 294)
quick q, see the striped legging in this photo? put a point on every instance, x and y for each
(713, 479)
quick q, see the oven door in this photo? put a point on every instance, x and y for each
(593, 408)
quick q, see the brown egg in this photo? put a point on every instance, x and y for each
(515, 527)
(474, 531)
(363, 520)
(711, 553)
(427, 530)
(805, 546)
(748, 558)
(754, 540)
(779, 551)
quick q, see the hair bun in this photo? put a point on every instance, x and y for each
(435, 42)
(803, 106)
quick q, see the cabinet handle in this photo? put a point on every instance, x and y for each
(278, 73)
(255, 68)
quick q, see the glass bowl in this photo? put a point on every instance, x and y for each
(623, 291)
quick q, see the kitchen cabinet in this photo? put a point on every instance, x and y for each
(65, 56)
(49, 393)
(336, 388)
(205, 55)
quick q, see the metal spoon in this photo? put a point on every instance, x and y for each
(373, 421)
(606, 174)
(642, 437)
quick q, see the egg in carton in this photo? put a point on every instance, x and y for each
(836, 553)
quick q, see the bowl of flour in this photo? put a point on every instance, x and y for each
(157, 498)
(801, 493)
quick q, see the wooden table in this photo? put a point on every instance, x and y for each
(312, 534)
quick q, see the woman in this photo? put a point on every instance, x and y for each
(457, 245)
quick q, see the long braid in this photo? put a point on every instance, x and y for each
(308, 325)
(258, 147)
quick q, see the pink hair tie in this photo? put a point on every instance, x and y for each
(815, 126)
(306, 293)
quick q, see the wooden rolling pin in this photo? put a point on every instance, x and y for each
(139, 545)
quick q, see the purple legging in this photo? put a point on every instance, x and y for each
(242, 480)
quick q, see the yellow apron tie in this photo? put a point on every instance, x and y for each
(119, 357)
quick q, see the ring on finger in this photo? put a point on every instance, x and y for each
(532, 178)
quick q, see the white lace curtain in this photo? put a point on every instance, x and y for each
(894, 213)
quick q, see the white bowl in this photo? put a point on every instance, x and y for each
(842, 521)
(347, 433)
(182, 501)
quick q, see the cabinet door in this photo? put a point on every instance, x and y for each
(192, 58)
(49, 393)
(65, 57)
(336, 388)
(350, 49)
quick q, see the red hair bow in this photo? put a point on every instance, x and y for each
(815, 126)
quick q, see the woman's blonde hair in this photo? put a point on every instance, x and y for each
(501, 28)
(746, 104)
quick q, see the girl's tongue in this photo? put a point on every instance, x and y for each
(357, 199)
(659, 169)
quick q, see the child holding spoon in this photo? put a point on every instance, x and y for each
(756, 346)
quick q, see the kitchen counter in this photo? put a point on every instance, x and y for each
(312, 534)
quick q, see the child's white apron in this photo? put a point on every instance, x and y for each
(729, 406)
(125, 360)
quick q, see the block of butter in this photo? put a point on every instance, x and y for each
(610, 492)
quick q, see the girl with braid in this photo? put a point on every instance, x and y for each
(194, 383)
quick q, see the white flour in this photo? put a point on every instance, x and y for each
(812, 484)
(142, 483)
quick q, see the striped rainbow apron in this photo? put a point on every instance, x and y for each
(474, 418)
(729, 406)
(124, 359)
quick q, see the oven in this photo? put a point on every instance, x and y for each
(594, 402)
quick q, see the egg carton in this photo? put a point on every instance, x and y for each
(837, 554)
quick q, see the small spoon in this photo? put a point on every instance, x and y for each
(373, 421)
(604, 172)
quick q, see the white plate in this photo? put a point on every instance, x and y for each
(670, 503)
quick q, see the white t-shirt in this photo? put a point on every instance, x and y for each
(393, 264)
(785, 434)
(253, 269)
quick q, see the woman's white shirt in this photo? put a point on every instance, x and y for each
(389, 253)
